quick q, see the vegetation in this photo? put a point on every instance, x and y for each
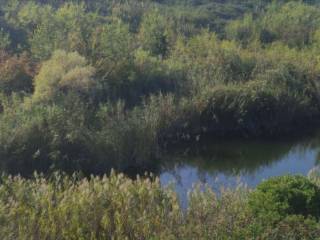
(91, 85)
(61, 74)
(116, 207)
(278, 197)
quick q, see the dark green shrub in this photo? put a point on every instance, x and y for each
(278, 197)
(37, 137)
(16, 73)
(256, 108)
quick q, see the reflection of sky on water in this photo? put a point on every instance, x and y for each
(297, 159)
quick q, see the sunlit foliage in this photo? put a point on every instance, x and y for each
(116, 207)
(62, 73)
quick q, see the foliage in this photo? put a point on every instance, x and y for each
(62, 73)
(294, 23)
(4, 40)
(293, 227)
(48, 36)
(42, 138)
(16, 73)
(242, 30)
(117, 207)
(279, 197)
(154, 34)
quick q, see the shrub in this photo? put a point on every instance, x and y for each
(63, 73)
(16, 73)
(42, 137)
(112, 58)
(206, 61)
(278, 197)
(4, 40)
(126, 139)
(294, 227)
(241, 30)
(154, 33)
(293, 23)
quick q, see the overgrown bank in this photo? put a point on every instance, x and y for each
(95, 85)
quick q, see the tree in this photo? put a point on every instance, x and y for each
(241, 30)
(16, 73)
(111, 54)
(111, 48)
(62, 73)
(154, 34)
(293, 23)
(4, 40)
(68, 28)
(31, 15)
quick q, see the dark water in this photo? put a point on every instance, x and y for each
(227, 163)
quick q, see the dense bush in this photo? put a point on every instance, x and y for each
(63, 73)
(279, 197)
(294, 23)
(16, 73)
(43, 138)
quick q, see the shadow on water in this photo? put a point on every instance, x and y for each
(218, 163)
(225, 163)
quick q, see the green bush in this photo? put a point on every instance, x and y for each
(40, 137)
(16, 73)
(63, 73)
(278, 197)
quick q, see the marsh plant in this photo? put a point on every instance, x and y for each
(116, 207)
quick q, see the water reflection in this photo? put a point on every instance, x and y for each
(226, 163)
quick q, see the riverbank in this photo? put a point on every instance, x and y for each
(71, 135)
(107, 93)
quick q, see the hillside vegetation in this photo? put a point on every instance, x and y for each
(95, 85)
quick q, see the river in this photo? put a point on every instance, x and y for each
(228, 163)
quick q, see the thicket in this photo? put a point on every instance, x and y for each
(116, 207)
(90, 85)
